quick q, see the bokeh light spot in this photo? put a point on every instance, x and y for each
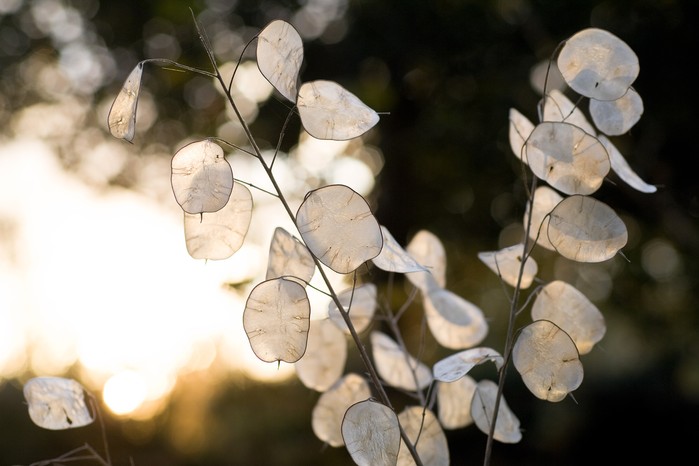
(124, 392)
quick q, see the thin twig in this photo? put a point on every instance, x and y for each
(509, 340)
(364, 355)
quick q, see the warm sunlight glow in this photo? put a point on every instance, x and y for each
(338, 161)
(12, 343)
(102, 279)
(248, 81)
(124, 392)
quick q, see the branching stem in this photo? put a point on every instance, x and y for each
(509, 340)
(364, 355)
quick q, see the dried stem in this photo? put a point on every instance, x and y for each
(364, 355)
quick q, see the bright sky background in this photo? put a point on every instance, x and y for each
(104, 279)
(99, 277)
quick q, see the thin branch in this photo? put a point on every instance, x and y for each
(240, 60)
(509, 340)
(179, 66)
(256, 187)
(98, 413)
(364, 355)
(292, 112)
(230, 144)
(406, 305)
(395, 330)
(531, 296)
(74, 455)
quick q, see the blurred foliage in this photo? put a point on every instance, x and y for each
(444, 75)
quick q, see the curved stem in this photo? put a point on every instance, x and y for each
(364, 355)
(393, 324)
(509, 339)
(76, 455)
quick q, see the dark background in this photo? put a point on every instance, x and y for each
(447, 73)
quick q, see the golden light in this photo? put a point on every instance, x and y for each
(102, 280)
(124, 392)
(96, 278)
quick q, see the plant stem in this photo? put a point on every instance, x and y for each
(509, 339)
(343, 312)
